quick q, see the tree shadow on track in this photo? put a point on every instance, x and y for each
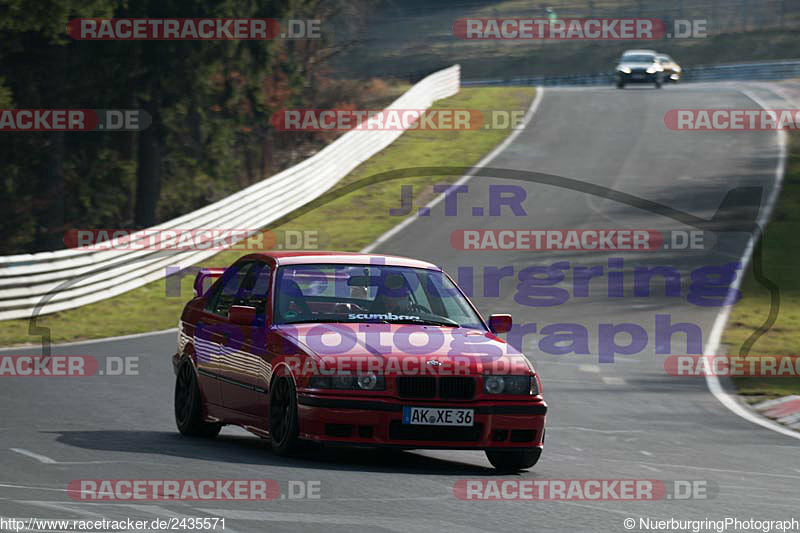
(244, 449)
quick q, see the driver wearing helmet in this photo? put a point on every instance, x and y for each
(394, 296)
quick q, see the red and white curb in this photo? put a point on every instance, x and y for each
(784, 410)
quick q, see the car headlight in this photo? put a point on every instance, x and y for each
(347, 382)
(367, 382)
(625, 70)
(510, 385)
(654, 69)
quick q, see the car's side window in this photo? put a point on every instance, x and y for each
(254, 291)
(223, 297)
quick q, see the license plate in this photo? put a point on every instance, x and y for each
(438, 416)
(637, 76)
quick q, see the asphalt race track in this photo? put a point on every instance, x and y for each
(622, 420)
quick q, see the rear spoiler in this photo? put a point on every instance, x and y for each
(202, 276)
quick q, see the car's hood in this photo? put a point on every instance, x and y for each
(405, 346)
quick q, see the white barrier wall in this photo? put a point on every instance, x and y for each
(48, 282)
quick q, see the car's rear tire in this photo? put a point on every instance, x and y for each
(658, 84)
(189, 405)
(620, 85)
(283, 419)
(513, 460)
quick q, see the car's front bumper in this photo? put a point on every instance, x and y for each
(349, 420)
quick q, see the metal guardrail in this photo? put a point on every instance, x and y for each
(767, 70)
(55, 281)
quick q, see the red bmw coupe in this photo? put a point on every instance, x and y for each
(353, 349)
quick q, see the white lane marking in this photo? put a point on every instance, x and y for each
(650, 468)
(613, 380)
(53, 489)
(49, 461)
(41, 458)
(691, 467)
(27, 487)
(645, 452)
(593, 369)
(94, 341)
(537, 99)
(712, 382)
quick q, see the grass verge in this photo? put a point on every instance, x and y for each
(347, 223)
(781, 257)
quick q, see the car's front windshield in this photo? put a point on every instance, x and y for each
(370, 293)
(637, 58)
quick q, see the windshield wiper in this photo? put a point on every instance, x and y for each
(338, 321)
(442, 322)
(424, 322)
(313, 321)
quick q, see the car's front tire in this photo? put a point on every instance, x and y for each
(189, 406)
(283, 419)
(513, 460)
(620, 85)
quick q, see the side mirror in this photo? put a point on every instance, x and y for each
(202, 275)
(498, 323)
(243, 315)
